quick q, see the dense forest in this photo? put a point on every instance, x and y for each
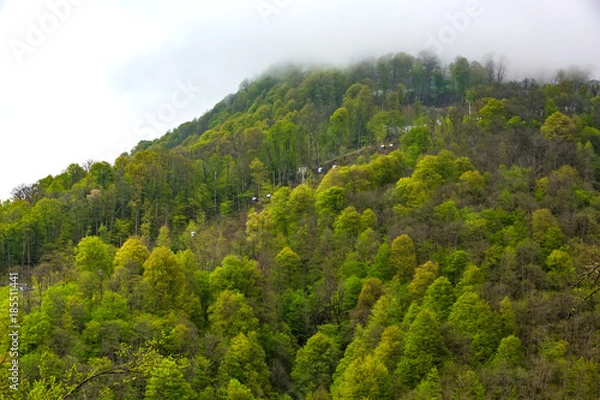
(396, 229)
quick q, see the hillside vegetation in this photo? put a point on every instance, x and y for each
(442, 242)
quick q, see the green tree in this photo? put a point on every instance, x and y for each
(164, 237)
(238, 391)
(245, 362)
(461, 75)
(403, 257)
(424, 276)
(439, 297)
(365, 378)
(165, 281)
(166, 381)
(509, 353)
(469, 387)
(287, 272)
(231, 315)
(429, 388)
(93, 255)
(390, 347)
(559, 127)
(94, 260)
(315, 363)
(472, 318)
(371, 291)
(424, 349)
(454, 267)
(347, 225)
(238, 275)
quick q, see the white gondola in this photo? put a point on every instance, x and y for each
(254, 199)
(269, 196)
(320, 170)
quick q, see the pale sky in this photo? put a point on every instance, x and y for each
(88, 79)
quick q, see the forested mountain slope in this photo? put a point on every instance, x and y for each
(445, 243)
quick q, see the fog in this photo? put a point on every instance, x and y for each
(90, 83)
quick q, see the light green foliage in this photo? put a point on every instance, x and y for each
(315, 363)
(368, 220)
(472, 279)
(351, 290)
(454, 267)
(562, 267)
(472, 183)
(166, 382)
(287, 272)
(554, 351)
(582, 382)
(259, 174)
(559, 127)
(231, 315)
(54, 324)
(469, 387)
(508, 318)
(102, 174)
(424, 276)
(339, 126)
(429, 172)
(416, 142)
(301, 203)
(440, 297)
(390, 347)
(279, 209)
(546, 231)
(165, 279)
(367, 245)
(331, 201)
(424, 349)
(411, 193)
(131, 256)
(93, 255)
(509, 352)
(365, 378)
(445, 213)
(493, 114)
(542, 221)
(238, 391)
(434, 171)
(472, 317)
(113, 306)
(385, 169)
(347, 225)
(371, 291)
(237, 275)
(245, 361)
(403, 258)
(429, 388)
(164, 237)
(381, 267)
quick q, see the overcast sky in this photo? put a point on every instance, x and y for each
(88, 79)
